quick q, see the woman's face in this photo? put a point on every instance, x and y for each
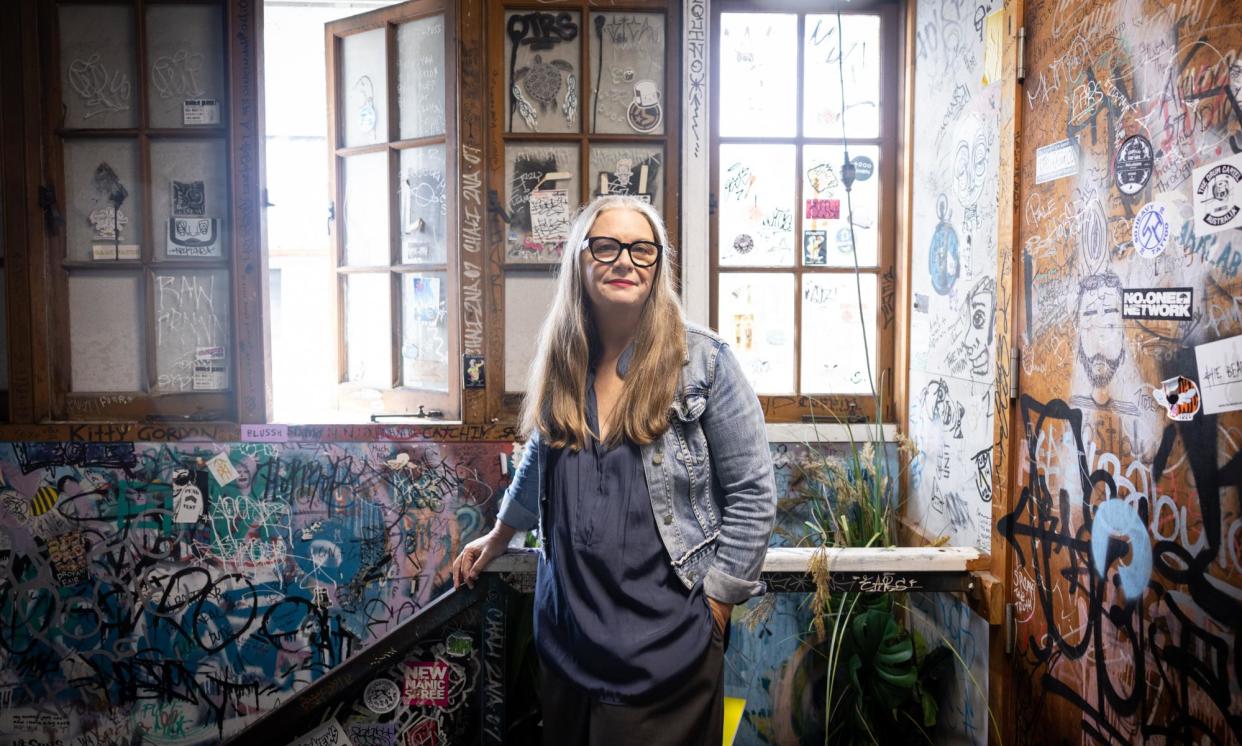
(619, 286)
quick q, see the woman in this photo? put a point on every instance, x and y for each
(648, 473)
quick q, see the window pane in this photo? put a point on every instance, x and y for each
(368, 330)
(832, 343)
(424, 205)
(758, 74)
(756, 205)
(366, 210)
(527, 302)
(190, 198)
(823, 68)
(756, 317)
(106, 332)
(192, 331)
(541, 190)
(825, 223)
(628, 86)
(104, 200)
(364, 88)
(544, 84)
(420, 77)
(629, 169)
(185, 46)
(424, 331)
(97, 66)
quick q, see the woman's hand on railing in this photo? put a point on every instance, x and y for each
(479, 553)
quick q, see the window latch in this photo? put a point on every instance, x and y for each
(493, 206)
(51, 211)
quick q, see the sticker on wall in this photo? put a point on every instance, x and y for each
(222, 469)
(814, 247)
(645, 112)
(189, 199)
(473, 371)
(200, 111)
(1132, 164)
(459, 644)
(265, 433)
(329, 734)
(1055, 161)
(381, 696)
(67, 553)
(194, 237)
(1150, 230)
(189, 495)
(210, 372)
(1179, 396)
(1220, 372)
(426, 683)
(1218, 195)
(1159, 304)
(549, 216)
(863, 168)
(823, 209)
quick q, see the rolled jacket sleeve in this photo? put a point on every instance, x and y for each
(519, 507)
(742, 464)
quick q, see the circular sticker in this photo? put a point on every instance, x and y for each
(1219, 194)
(381, 695)
(1132, 167)
(1150, 230)
(863, 168)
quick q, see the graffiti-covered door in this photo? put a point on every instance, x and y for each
(1125, 529)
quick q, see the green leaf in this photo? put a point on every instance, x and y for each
(930, 710)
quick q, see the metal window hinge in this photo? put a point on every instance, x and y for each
(1010, 629)
(1015, 356)
(1021, 53)
(331, 215)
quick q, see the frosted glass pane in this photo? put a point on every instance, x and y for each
(420, 77)
(629, 169)
(106, 332)
(755, 315)
(364, 88)
(758, 74)
(825, 210)
(185, 52)
(528, 300)
(859, 60)
(756, 205)
(193, 350)
(424, 331)
(366, 209)
(190, 199)
(544, 85)
(98, 53)
(541, 190)
(103, 201)
(424, 205)
(627, 91)
(368, 329)
(832, 337)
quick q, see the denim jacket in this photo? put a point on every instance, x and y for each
(710, 475)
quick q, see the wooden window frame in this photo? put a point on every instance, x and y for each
(670, 141)
(44, 323)
(398, 400)
(797, 406)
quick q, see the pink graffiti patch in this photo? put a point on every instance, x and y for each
(426, 683)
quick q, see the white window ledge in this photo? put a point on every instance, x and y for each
(826, 432)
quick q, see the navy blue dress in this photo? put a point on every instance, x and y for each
(610, 613)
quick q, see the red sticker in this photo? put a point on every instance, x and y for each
(823, 209)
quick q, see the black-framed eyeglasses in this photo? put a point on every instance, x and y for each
(606, 250)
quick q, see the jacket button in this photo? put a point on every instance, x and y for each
(668, 518)
(658, 458)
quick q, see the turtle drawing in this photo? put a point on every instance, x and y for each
(542, 80)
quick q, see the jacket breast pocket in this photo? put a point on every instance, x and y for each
(695, 458)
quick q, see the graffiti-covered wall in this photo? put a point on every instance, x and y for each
(173, 592)
(1126, 530)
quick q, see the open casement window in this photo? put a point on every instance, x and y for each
(590, 105)
(392, 85)
(785, 291)
(140, 161)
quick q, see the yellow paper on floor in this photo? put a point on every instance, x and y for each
(732, 718)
